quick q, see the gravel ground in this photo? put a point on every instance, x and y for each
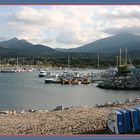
(77, 120)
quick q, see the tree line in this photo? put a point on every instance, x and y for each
(75, 61)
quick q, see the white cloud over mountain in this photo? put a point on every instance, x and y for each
(69, 26)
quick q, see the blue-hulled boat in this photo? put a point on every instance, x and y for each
(134, 119)
(126, 120)
(115, 122)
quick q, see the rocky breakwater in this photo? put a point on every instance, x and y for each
(122, 82)
(126, 77)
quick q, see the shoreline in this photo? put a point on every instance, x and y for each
(67, 121)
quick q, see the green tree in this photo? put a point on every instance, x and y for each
(123, 69)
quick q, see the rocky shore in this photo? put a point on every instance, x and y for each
(74, 120)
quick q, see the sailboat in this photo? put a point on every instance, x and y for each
(18, 69)
(67, 69)
(12, 70)
(97, 77)
(7, 70)
(68, 63)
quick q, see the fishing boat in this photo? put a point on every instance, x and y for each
(65, 81)
(53, 80)
(85, 80)
(8, 71)
(42, 73)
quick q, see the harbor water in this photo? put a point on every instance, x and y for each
(25, 90)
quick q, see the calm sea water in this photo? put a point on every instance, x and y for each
(27, 91)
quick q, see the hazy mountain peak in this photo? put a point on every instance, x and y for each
(111, 44)
(17, 47)
(14, 39)
(23, 40)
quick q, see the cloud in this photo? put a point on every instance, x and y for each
(124, 12)
(63, 25)
(70, 26)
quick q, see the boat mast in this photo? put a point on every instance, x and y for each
(117, 61)
(120, 55)
(98, 62)
(68, 62)
(129, 60)
(17, 61)
(125, 56)
(34, 60)
(23, 61)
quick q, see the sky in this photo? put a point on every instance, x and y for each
(67, 26)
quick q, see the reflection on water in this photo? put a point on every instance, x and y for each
(25, 90)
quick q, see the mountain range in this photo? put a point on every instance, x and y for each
(110, 45)
(107, 46)
(16, 47)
